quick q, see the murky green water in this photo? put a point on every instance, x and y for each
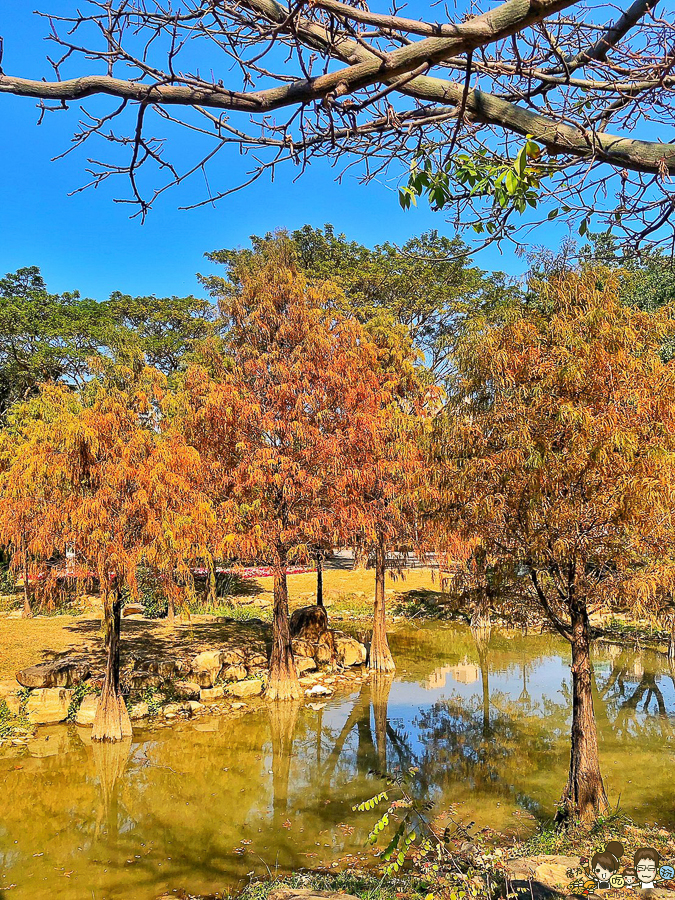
(203, 805)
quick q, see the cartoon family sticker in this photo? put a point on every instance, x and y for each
(604, 870)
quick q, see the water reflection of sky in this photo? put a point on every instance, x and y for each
(488, 730)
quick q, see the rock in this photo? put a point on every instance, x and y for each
(14, 703)
(140, 681)
(348, 650)
(257, 661)
(249, 688)
(232, 657)
(541, 877)
(304, 664)
(234, 673)
(307, 894)
(186, 690)
(194, 706)
(209, 695)
(48, 705)
(308, 623)
(171, 710)
(133, 609)
(206, 668)
(8, 688)
(87, 711)
(319, 690)
(139, 710)
(239, 706)
(167, 668)
(325, 649)
(302, 648)
(62, 673)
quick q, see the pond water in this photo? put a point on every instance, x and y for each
(203, 805)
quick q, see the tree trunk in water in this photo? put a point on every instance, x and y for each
(380, 655)
(283, 683)
(584, 796)
(27, 611)
(112, 721)
(319, 580)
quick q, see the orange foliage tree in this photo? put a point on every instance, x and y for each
(383, 488)
(558, 453)
(121, 492)
(23, 513)
(278, 419)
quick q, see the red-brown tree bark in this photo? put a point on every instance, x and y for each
(112, 722)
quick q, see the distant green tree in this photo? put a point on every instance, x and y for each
(55, 337)
(44, 336)
(165, 329)
(428, 285)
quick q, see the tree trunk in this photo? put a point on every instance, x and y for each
(27, 611)
(319, 579)
(380, 655)
(283, 682)
(112, 721)
(211, 583)
(671, 643)
(360, 557)
(584, 796)
(171, 606)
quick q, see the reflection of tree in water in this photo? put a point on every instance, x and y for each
(486, 743)
(376, 749)
(481, 635)
(110, 760)
(283, 723)
(633, 700)
(380, 686)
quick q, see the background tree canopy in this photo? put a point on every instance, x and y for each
(58, 337)
(429, 285)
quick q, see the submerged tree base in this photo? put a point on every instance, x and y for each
(283, 690)
(112, 722)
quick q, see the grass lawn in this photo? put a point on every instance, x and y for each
(347, 595)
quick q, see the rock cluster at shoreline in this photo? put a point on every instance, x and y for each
(176, 685)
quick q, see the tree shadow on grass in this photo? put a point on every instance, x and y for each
(156, 639)
(420, 602)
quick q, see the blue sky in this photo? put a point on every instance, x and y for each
(87, 242)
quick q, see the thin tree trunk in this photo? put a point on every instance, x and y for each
(380, 655)
(283, 681)
(584, 796)
(211, 583)
(319, 579)
(27, 610)
(171, 606)
(671, 643)
(112, 721)
(360, 557)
